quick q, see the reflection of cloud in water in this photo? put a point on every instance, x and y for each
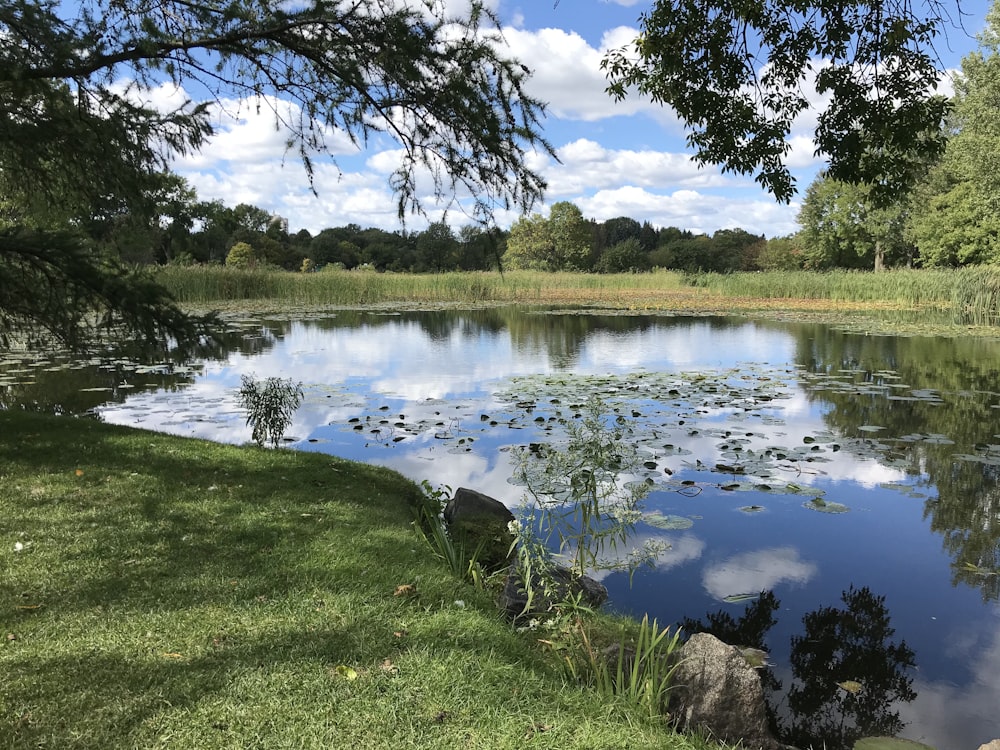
(752, 572)
(682, 550)
(683, 346)
(455, 470)
(947, 715)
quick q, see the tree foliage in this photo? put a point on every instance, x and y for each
(79, 141)
(54, 288)
(559, 242)
(843, 226)
(737, 73)
(956, 208)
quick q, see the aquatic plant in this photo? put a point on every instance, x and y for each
(578, 494)
(269, 405)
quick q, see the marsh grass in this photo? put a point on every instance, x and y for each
(208, 284)
(968, 295)
(161, 592)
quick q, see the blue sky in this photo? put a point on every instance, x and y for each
(617, 159)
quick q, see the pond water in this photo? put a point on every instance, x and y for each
(830, 497)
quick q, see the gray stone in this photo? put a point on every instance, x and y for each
(563, 584)
(479, 523)
(717, 691)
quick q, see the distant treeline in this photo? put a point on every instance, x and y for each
(248, 236)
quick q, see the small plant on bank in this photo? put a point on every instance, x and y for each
(270, 405)
(432, 527)
(638, 670)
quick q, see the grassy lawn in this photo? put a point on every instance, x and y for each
(161, 592)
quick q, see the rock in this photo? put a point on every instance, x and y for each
(479, 522)
(564, 583)
(991, 745)
(717, 691)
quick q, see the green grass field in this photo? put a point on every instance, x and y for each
(161, 592)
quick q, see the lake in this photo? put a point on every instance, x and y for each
(828, 496)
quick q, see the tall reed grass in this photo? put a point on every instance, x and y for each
(970, 295)
(903, 286)
(209, 284)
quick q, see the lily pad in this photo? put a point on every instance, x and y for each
(821, 505)
(669, 523)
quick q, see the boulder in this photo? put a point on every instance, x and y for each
(991, 745)
(563, 584)
(717, 691)
(478, 522)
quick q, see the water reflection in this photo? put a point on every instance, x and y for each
(849, 675)
(904, 432)
(957, 381)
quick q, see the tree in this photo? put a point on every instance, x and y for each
(737, 74)
(440, 84)
(954, 218)
(570, 237)
(530, 245)
(437, 248)
(241, 255)
(624, 257)
(780, 254)
(560, 242)
(843, 226)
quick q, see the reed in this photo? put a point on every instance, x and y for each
(976, 296)
(903, 286)
(970, 295)
(210, 284)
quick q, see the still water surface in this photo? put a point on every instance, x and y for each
(884, 614)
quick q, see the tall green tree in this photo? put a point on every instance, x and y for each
(737, 74)
(844, 226)
(560, 242)
(530, 245)
(75, 139)
(955, 217)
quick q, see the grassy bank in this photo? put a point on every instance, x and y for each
(162, 592)
(969, 296)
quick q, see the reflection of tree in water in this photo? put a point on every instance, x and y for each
(966, 370)
(63, 385)
(847, 672)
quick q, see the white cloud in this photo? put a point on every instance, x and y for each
(690, 209)
(948, 715)
(752, 572)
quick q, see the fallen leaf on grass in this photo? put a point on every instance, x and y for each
(172, 655)
(342, 670)
(406, 589)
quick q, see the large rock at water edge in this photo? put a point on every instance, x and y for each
(478, 522)
(563, 584)
(717, 691)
